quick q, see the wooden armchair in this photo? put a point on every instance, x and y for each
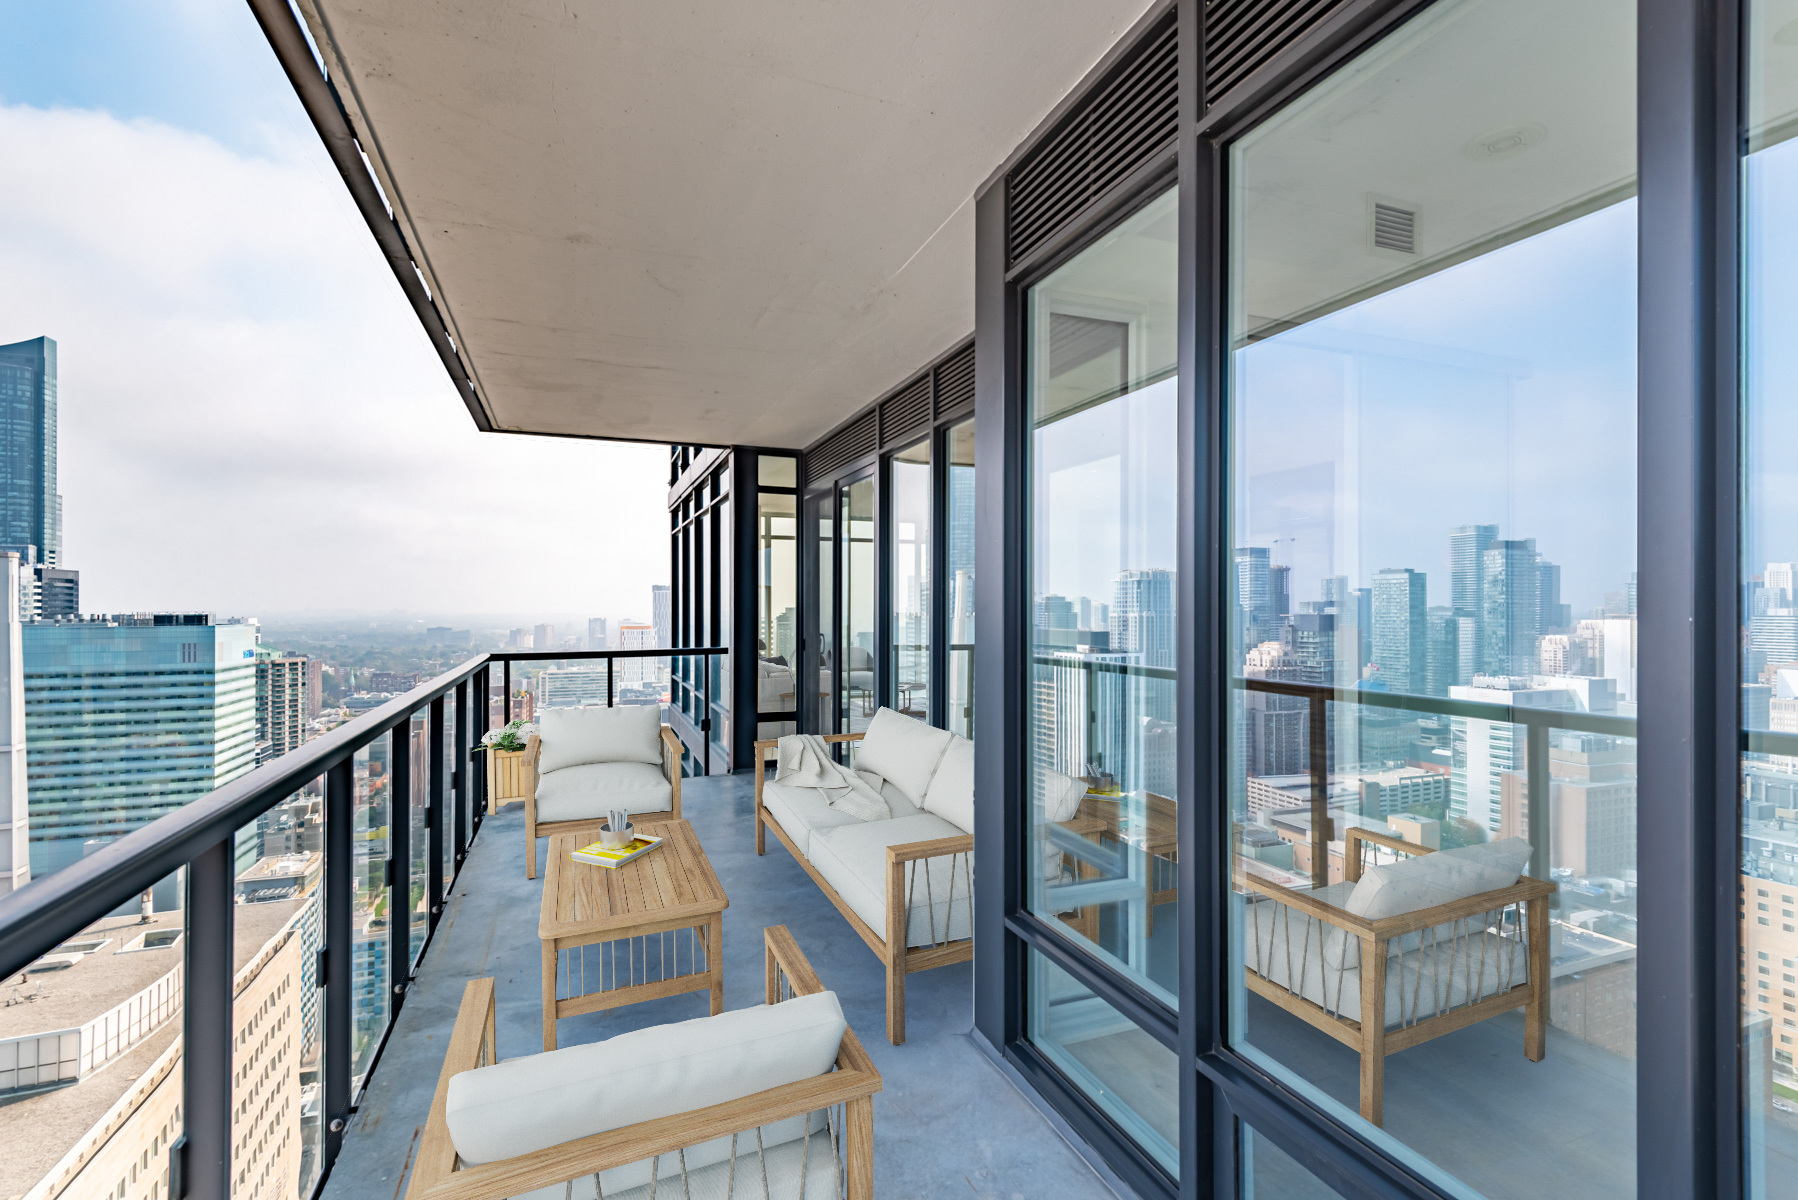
(844, 1094)
(593, 819)
(1422, 974)
(902, 888)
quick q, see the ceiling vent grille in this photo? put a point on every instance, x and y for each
(1394, 228)
(906, 412)
(1242, 35)
(955, 382)
(1121, 124)
(843, 447)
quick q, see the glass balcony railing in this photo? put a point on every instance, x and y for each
(197, 1007)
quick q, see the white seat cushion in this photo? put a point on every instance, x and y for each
(543, 1100)
(800, 810)
(951, 794)
(904, 751)
(853, 860)
(572, 737)
(589, 791)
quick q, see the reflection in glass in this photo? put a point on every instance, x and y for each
(777, 611)
(1102, 478)
(961, 579)
(910, 686)
(1126, 1072)
(1269, 1173)
(369, 913)
(856, 505)
(1432, 480)
(1768, 984)
(776, 470)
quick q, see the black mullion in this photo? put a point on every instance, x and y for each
(338, 954)
(459, 776)
(399, 854)
(938, 684)
(746, 614)
(1119, 991)
(1688, 1139)
(885, 678)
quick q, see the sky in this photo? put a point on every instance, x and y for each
(252, 420)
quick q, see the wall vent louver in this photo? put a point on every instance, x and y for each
(1121, 124)
(847, 445)
(1394, 228)
(1242, 35)
(907, 411)
(955, 382)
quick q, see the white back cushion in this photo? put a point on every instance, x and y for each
(951, 794)
(544, 1100)
(902, 751)
(573, 737)
(1411, 884)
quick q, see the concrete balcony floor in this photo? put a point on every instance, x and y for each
(925, 1143)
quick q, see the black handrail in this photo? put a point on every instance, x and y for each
(1473, 710)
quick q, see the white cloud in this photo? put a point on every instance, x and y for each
(252, 419)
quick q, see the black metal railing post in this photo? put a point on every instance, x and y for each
(399, 855)
(506, 690)
(338, 953)
(205, 1165)
(1537, 784)
(611, 663)
(459, 775)
(1319, 736)
(705, 724)
(434, 811)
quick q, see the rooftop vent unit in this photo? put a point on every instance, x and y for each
(1394, 228)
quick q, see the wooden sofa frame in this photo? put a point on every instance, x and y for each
(438, 1174)
(889, 946)
(534, 829)
(1371, 1039)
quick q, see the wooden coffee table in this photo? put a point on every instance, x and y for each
(651, 928)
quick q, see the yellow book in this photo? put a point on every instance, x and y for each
(602, 855)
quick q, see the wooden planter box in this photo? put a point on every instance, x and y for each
(507, 777)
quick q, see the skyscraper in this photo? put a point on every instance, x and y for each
(129, 718)
(661, 613)
(281, 701)
(1452, 650)
(1279, 584)
(1401, 630)
(30, 506)
(1510, 611)
(1142, 616)
(1552, 614)
(1254, 593)
(1056, 612)
(543, 637)
(15, 811)
(596, 634)
(1467, 546)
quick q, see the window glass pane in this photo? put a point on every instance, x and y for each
(418, 835)
(1126, 1072)
(1433, 295)
(1269, 1173)
(369, 991)
(772, 470)
(777, 613)
(1768, 982)
(857, 507)
(1102, 477)
(910, 686)
(961, 579)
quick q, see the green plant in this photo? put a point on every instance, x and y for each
(507, 738)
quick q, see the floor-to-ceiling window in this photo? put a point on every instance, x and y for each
(821, 660)
(857, 566)
(909, 537)
(1768, 884)
(1101, 746)
(1431, 477)
(959, 714)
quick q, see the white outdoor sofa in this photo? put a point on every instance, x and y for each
(583, 762)
(775, 1101)
(905, 884)
(1453, 937)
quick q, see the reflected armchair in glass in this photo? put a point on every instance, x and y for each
(1144, 826)
(1453, 937)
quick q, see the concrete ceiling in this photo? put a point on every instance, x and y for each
(728, 223)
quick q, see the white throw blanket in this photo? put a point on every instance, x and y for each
(804, 760)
